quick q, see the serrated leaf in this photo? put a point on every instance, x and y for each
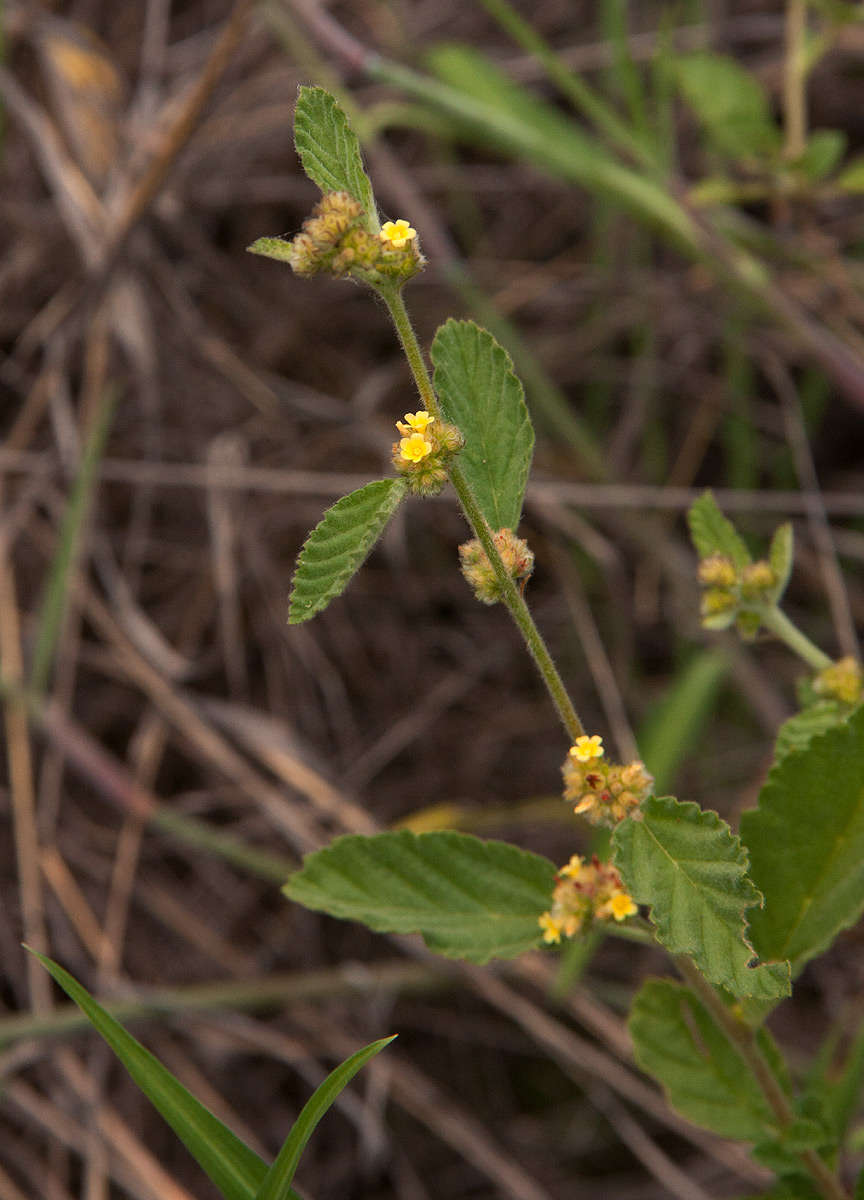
(703, 1076)
(272, 247)
(335, 549)
(806, 845)
(468, 898)
(236, 1170)
(276, 1185)
(713, 534)
(781, 555)
(329, 149)
(730, 105)
(692, 869)
(481, 395)
(798, 732)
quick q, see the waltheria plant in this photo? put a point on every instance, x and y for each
(738, 915)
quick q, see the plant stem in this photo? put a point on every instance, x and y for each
(780, 625)
(512, 597)
(795, 79)
(744, 1040)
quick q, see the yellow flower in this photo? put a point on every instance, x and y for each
(573, 869)
(622, 906)
(397, 233)
(418, 422)
(587, 748)
(414, 448)
(551, 928)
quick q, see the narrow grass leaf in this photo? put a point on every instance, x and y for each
(730, 105)
(329, 149)
(480, 393)
(277, 1185)
(704, 1077)
(713, 534)
(692, 869)
(236, 1170)
(336, 548)
(806, 845)
(469, 898)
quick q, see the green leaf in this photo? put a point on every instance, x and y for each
(468, 898)
(329, 150)
(713, 534)
(480, 394)
(690, 867)
(781, 555)
(824, 149)
(235, 1169)
(276, 1186)
(730, 104)
(272, 247)
(806, 845)
(704, 1077)
(798, 732)
(852, 179)
(336, 548)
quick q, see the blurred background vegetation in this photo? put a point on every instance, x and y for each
(657, 208)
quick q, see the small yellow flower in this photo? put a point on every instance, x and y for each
(397, 233)
(622, 906)
(587, 748)
(573, 869)
(551, 928)
(418, 422)
(414, 448)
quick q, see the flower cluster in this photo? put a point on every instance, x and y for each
(585, 892)
(843, 681)
(603, 792)
(474, 563)
(336, 240)
(422, 453)
(735, 593)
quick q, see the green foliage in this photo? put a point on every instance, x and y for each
(730, 105)
(468, 898)
(781, 555)
(272, 247)
(690, 867)
(822, 154)
(236, 1170)
(852, 178)
(675, 726)
(329, 150)
(703, 1076)
(806, 845)
(798, 732)
(335, 549)
(480, 394)
(713, 534)
(277, 1184)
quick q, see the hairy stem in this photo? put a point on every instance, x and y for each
(513, 600)
(743, 1038)
(780, 625)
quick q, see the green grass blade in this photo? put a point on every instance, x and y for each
(277, 1185)
(54, 603)
(236, 1170)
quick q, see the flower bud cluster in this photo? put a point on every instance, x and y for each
(422, 453)
(585, 892)
(474, 563)
(734, 592)
(603, 792)
(336, 241)
(843, 681)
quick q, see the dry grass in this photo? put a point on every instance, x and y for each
(137, 169)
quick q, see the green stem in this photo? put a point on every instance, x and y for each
(780, 625)
(795, 79)
(512, 597)
(744, 1040)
